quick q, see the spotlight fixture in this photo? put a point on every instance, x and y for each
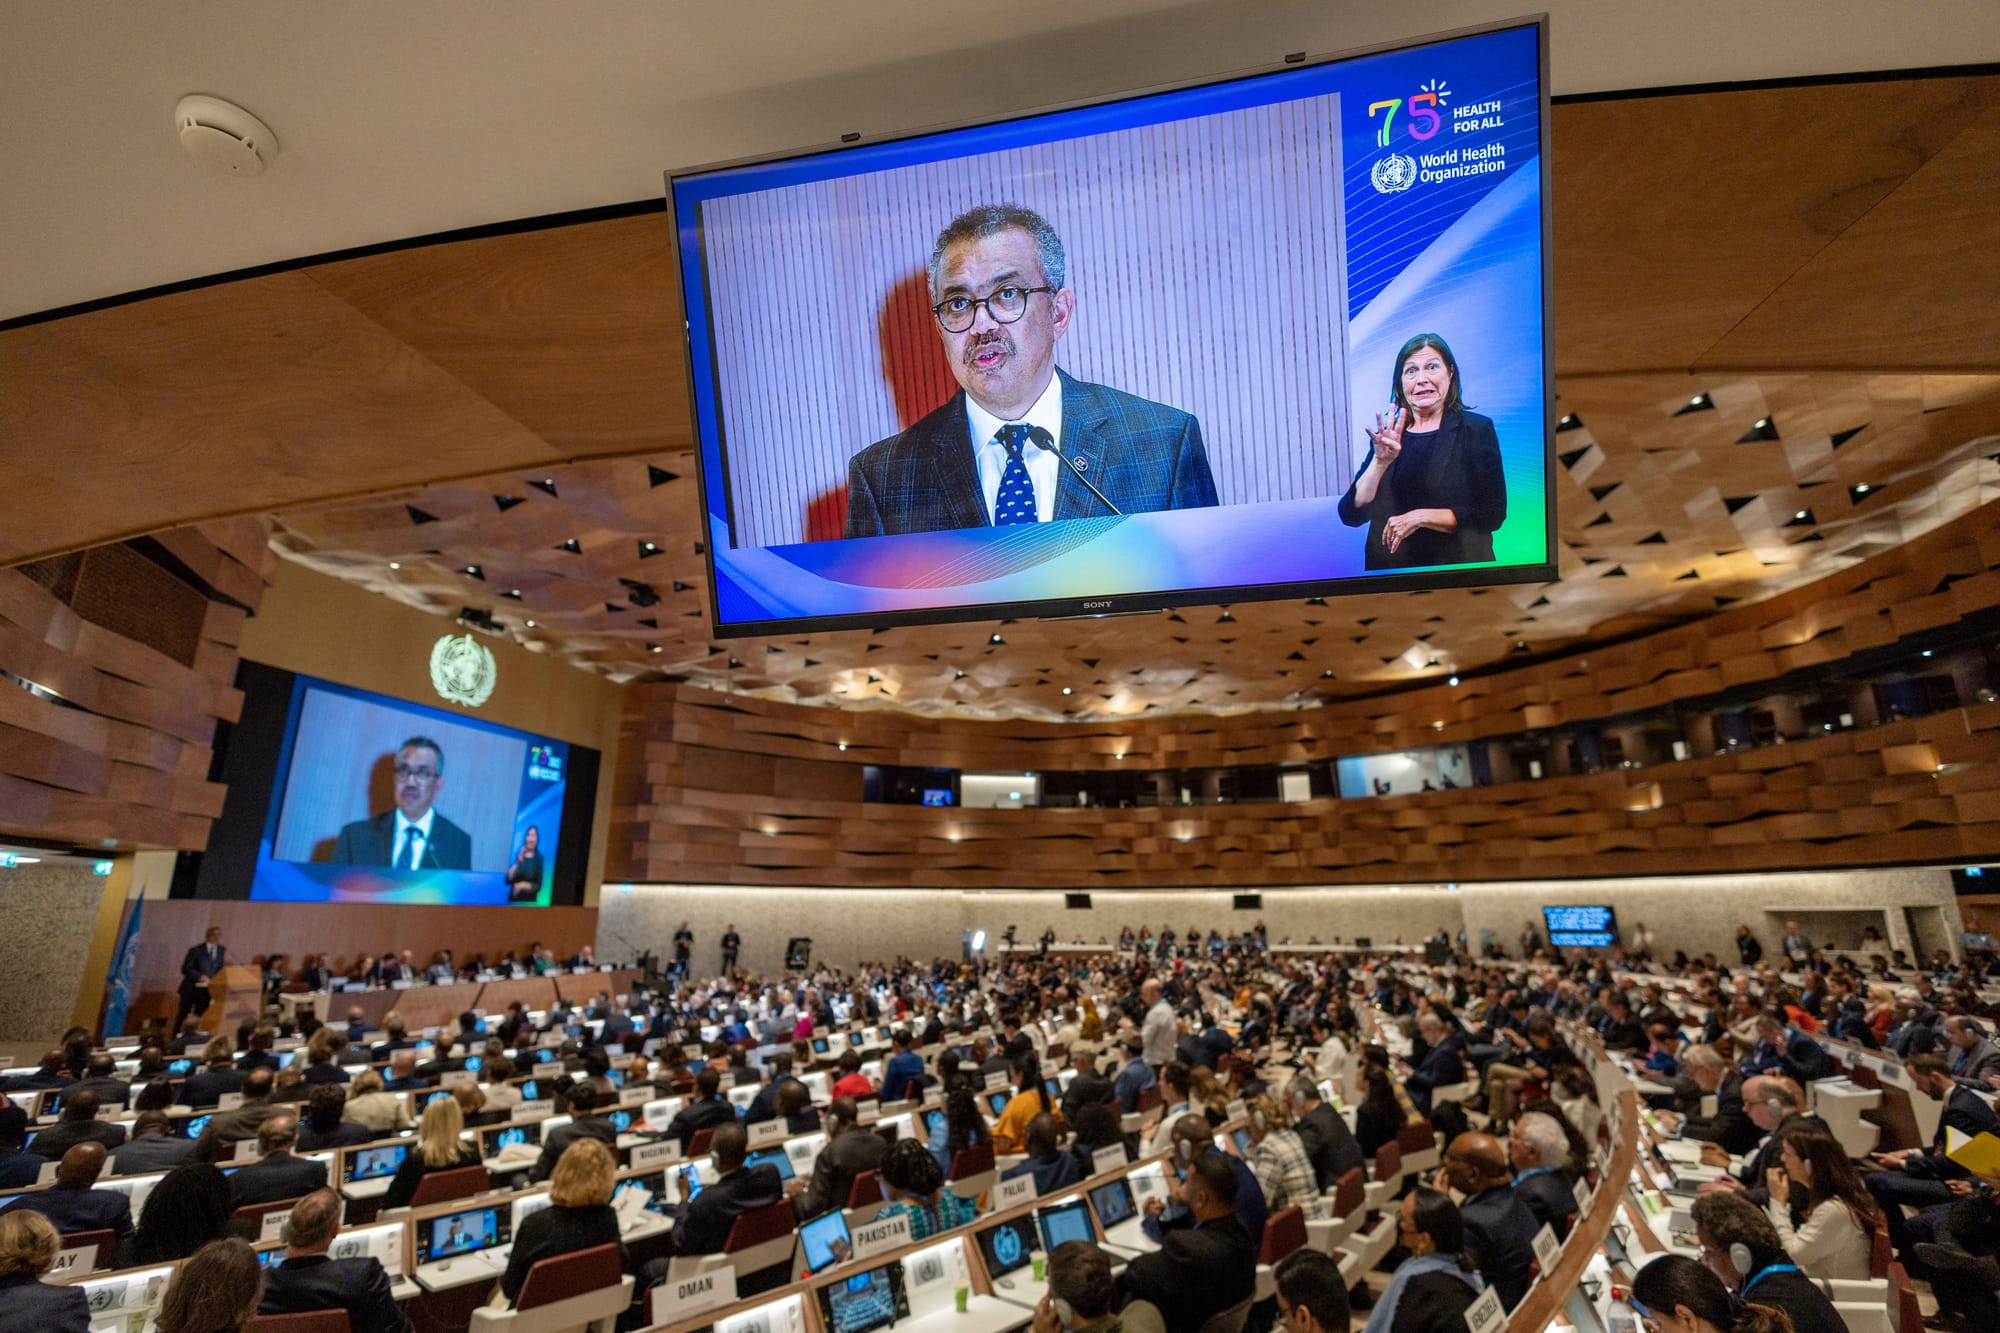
(395, 564)
(1452, 680)
(994, 638)
(1066, 689)
(843, 747)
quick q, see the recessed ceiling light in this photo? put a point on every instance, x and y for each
(843, 746)
(531, 624)
(1862, 488)
(1763, 423)
(395, 564)
(1452, 681)
(1928, 652)
(1066, 689)
(1800, 516)
(994, 638)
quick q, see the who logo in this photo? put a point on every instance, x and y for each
(1396, 172)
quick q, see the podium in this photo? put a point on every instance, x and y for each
(235, 993)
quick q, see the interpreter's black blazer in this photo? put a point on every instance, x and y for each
(1462, 472)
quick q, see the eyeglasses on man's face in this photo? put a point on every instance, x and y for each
(411, 771)
(1005, 304)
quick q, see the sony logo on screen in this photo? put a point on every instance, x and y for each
(1097, 606)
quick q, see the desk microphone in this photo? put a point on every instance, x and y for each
(1041, 438)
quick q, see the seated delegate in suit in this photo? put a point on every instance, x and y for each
(1499, 1228)
(704, 1221)
(584, 1124)
(579, 1215)
(28, 1249)
(1432, 491)
(308, 1279)
(1204, 1269)
(79, 1124)
(524, 877)
(71, 1205)
(280, 1173)
(153, 1147)
(989, 456)
(1538, 1148)
(413, 836)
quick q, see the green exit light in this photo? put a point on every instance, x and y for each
(101, 868)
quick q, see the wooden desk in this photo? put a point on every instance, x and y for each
(582, 987)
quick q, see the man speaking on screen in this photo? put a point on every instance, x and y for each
(413, 836)
(1021, 442)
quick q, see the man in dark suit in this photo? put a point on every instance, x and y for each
(851, 1150)
(1499, 1228)
(309, 1279)
(280, 1173)
(218, 1075)
(704, 1222)
(226, 1129)
(101, 1077)
(1329, 1143)
(1783, 1049)
(1200, 1270)
(1922, 1180)
(79, 1124)
(707, 1110)
(1442, 1066)
(198, 967)
(1538, 1149)
(413, 836)
(990, 455)
(71, 1205)
(1088, 1088)
(584, 1124)
(152, 1147)
(1730, 1126)
(18, 1167)
(1772, 1102)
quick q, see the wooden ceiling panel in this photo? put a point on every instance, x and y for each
(1915, 282)
(573, 331)
(1675, 216)
(221, 401)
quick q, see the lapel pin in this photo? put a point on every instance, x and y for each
(1082, 463)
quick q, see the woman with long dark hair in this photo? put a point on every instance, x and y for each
(188, 1208)
(1010, 1131)
(1837, 1238)
(1379, 1118)
(961, 1127)
(1433, 490)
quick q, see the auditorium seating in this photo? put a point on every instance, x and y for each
(304, 1321)
(458, 1183)
(569, 1293)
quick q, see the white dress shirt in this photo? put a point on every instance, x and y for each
(1043, 468)
(414, 855)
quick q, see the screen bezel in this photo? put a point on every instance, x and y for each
(503, 1232)
(1079, 1207)
(1124, 1189)
(1113, 604)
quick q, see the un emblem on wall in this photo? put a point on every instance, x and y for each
(1394, 174)
(463, 670)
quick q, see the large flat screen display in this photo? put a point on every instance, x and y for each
(1591, 927)
(1279, 334)
(336, 794)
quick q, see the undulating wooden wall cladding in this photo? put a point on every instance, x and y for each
(717, 788)
(139, 652)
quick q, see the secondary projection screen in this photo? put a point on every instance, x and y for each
(1134, 354)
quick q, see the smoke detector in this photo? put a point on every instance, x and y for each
(224, 135)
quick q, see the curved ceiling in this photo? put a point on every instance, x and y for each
(1820, 259)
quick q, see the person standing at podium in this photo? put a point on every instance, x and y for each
(198, 968)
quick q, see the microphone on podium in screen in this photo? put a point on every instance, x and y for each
(1041, 437)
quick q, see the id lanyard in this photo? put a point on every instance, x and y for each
(1763, 1273)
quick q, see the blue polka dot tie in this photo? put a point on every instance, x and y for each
(1015, 501)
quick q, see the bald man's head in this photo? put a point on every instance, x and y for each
(314, 1222)
(1474, 1162)
(403, 1063)
(81, 1165)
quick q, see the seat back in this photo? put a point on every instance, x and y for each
(1149, 1099)
(303, 1321)
(698, 1145)
(565, 1275)
(1230, 1320)
(1909, 1319)
(1415, 1136)
(1388, 1162)
(461, 1182)
(765, 1224)
(93, 1250)
(867, 1187)
(1882, 1255)
(1350, 1192)
(255, 1213)
(970, 1161)
(1284, 1231)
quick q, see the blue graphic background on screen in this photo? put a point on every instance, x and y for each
(1593, 927)
(1458, 255)
(535, 794)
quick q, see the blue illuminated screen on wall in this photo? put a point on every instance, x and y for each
(1133, 354)
(1594, 927)
(381, 800)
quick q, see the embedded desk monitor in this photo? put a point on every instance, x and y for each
(864, 1302)
(1006, 1246)
(463, 1232)
(998, 1101)
(820, 1045)
(193, 1126)
(1593, 927)
(1113, 1202)
(1059, 1222)
(826, 1241)
(621, 1119)
(653, 1182)
(372, 1163)
(1187, 306)
(495, 1137)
